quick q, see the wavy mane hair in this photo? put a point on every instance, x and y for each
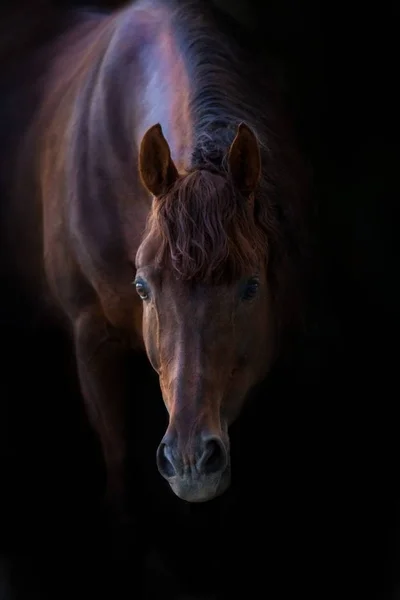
(206, 230)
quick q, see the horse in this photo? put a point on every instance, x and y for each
(158, 204)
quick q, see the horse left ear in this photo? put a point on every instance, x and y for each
(156, 167)
(244, 160)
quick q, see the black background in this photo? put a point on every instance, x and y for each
(314, 507)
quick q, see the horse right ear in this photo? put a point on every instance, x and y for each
(156, 167)
(244, 160)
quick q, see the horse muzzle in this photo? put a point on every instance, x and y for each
(198, 471)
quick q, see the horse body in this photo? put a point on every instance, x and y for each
(112, 198)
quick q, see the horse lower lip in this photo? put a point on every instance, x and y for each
(197, 498)
(200, 491)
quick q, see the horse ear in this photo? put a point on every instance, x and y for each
(244, 160)
(156, 167)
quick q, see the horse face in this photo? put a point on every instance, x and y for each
(210, 344)
(210, 340)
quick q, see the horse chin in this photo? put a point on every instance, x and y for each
(201, 489)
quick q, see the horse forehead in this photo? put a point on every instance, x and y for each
(196, 301)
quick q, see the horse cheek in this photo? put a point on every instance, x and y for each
(150, 336)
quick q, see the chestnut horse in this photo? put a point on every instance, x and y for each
(159, 204)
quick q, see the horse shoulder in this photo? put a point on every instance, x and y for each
(79, 293)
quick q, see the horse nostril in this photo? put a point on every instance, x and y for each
(164, 462)
(214, 457)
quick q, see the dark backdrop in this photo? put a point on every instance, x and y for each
(325, 521)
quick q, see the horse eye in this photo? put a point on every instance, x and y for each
(251, 289)
(141, 289)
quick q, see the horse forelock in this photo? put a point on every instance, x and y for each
(205, 230)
